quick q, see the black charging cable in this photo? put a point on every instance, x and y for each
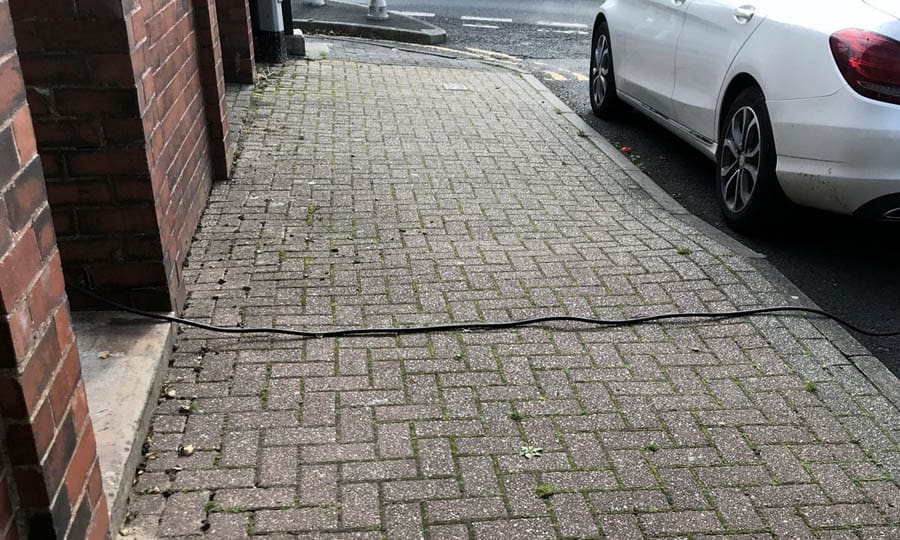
(609, 323)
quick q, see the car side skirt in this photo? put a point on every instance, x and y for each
(699, 142)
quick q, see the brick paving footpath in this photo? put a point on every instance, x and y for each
(377, 187)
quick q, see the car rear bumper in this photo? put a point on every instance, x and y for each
(837, 152)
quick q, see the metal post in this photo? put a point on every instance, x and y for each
(272, 47)
(296, 43)
(378, 10)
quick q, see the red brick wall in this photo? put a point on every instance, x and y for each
(237, 41)
(212, 77)
(49, 472)
(81, 88)
(128, 102)
(166, 55)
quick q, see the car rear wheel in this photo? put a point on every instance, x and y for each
(604, 101)
(748, 191)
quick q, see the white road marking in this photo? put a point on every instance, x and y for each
(491, 26)
(419, 14)
(579, 32)
(561, 24)
(486, 19)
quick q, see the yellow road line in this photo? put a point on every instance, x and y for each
(493, 53)
(554, 75)
(579, 76)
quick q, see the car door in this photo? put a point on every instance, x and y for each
(646, 69)
(713, 33)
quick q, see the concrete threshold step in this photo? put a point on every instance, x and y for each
(123, 362)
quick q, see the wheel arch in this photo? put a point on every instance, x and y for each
(738, 84)
(600, 19)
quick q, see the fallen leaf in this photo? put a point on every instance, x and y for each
(103, 355)
(186, 450)
(531, 452)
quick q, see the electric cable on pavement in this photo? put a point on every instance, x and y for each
(517, 323)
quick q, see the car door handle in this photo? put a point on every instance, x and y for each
(743, 14)
(679, 2)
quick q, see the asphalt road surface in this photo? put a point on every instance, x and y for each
(848, 267)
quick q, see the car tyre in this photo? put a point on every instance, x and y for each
(749, 194)
(604, 100)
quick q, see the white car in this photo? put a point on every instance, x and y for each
(794, 99)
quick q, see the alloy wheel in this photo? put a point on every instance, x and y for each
(600, 73)
(740, 162)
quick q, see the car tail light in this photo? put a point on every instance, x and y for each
(869, 62)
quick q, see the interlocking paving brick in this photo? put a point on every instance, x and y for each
(624, 526)
(632, 469)
(440, 207)
(535, 528)
(228, 525)
(787, 523)
(520, 494)
(295, 519)
(329, 453)
(435, 457)
(465, 509)
(184, 513)
(842, 515)
(786, 495)
(411, 490)
(214, 479)
(835, 482)
(581, 480)
(681, 522)
(394, 441)
(359, 506)
(644, 500)
(278, 467)
(318, 484)
(253, 498)
(240, 449)
(737, 475)
(573, 516)
(736, 509)
(297, 436)
(379, 470)
(478, 478)
(683, 489)
(403, 521)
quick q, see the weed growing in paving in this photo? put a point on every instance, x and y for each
(311, 214)
(545, 491)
